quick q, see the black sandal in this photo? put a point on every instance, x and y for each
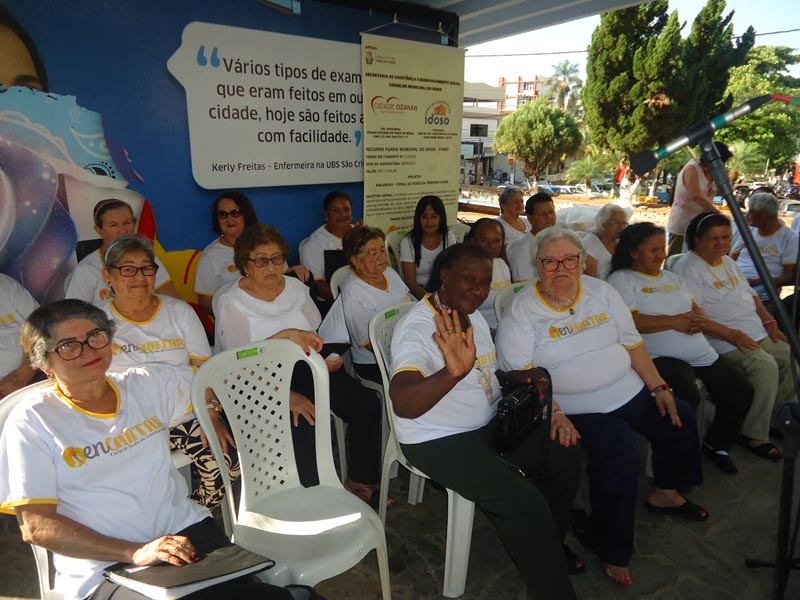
(766, 450)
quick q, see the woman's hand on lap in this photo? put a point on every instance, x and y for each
(174, 549)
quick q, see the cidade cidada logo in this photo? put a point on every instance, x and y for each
(390, 104)
(438, 114)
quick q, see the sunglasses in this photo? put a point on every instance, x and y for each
(235, 213)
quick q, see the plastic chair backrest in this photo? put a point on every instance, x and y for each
(393, 247)
(459, 230)
(505, 295)
(381, 329)
(252, 384)
(41, 555)
(671, 261)
(338, 278)
(182, 267)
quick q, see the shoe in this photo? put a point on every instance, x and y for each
(575, 564)
(766, 450)
(688, 510)
(720, 458)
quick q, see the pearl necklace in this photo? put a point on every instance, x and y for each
(560, 304)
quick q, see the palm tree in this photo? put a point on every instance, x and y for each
(586, 169)
(565, 83)
(747, 160)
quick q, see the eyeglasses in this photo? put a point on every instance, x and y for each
(131, 271)
(235, 213)
(263, 261)
(97, 339)
(620, 223)
(553, 264)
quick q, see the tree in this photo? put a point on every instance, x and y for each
(587, 168)
(565, 85)
(774, 128)
(747, 160)
(538, 135)
(645, 84)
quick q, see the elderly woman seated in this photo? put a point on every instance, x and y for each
(600, 243)
(579, 329)
(372, 286)
(737, 325)
(82, 489)
(671, 325)
(444, 389)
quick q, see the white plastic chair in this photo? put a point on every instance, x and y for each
(312, 533)
(504, 296)
(671, 262)
(460, 511)
(337, 279)
(393, 247)
(459, 230)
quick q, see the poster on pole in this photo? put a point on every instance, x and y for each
(268, 109)
(413, 98)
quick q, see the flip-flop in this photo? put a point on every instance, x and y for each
(688, 510)
(767, 450)
(575, 564)
(607, 571)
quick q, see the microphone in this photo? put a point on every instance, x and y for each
(644, 162)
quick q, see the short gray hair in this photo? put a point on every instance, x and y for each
(38, 332)
(510, 192)
(124, 244)
(603, 216)
(763, 202)
(552, 234)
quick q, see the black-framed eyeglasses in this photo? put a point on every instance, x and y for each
(97, 339)
(131, 271)
(235, 213)
(263, 261)
(552, 264)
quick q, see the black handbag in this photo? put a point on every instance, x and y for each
(518, 415)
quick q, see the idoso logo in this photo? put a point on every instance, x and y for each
(392, 104)
(438, 113)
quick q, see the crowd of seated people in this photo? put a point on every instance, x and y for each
(624, 358)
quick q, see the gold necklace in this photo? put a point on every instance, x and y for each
(560, 304)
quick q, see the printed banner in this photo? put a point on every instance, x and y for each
(268, 109)
(413, 95)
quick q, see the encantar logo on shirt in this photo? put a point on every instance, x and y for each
(76, 456)
(573, 328)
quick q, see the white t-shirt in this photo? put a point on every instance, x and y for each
(111, 473)
(501, 277)
(15, 304)
(87, 283)
(426, 256)
(242, 319)
(215, 268)
(597, 250)
(723, 293)
(663, 294)
(777, 250)
(519, 259)
(172, 336)
(585, 352)
(471, 404)
(361, 301)
(312, 251)
(512, 235)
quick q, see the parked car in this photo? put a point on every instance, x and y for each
(788, 210)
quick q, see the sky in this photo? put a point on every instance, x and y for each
(764, 15)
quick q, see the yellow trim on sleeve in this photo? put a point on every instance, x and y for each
(634, 346)
(413, 369)
(200, 358)
(8, 507)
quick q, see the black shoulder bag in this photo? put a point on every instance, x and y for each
(518, 415)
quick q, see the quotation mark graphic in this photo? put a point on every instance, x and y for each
(203, 61)
(357, 134)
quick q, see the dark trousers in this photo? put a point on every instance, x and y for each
(204, 537)
(357, 406)
(612, 455)
(369, 371)
(530, 520)
(727, 387)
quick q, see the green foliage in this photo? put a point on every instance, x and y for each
(587, 168)
(774, 128)
(565, 85)
(538, 135)
(747, 160)
(645, 84)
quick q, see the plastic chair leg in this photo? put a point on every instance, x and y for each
(383, 569)
(416, 487)
(339, 427)
(460, 513)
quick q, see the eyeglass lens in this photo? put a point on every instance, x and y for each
(235, 213)
(97, 339)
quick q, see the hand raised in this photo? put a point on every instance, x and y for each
(458, 350)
